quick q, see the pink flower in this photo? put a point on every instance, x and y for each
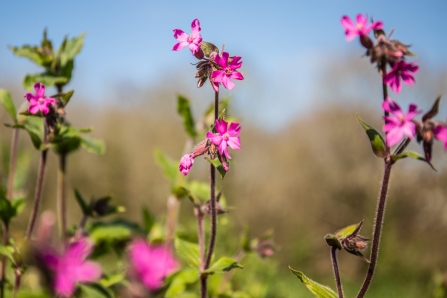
(151, 264)
(226, 137)
(186, 163)
(227, 72)
(401, 70)
(441, 134)
(361, 28)
(38, 102)
(400, 124)
(192, 40)
(70, 267)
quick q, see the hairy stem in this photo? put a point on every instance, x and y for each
(381, 203)
(336, 271)
(62, 196)
(201, 236)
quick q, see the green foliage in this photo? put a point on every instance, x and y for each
(168, 165)
(188, 252)
(58, 66)
(180, 281)
(349, 230)
(224, 264)
(10, 209)
(317, 289)
(8, 104)
(413, 155)
(184, 110)
(216, 163)
(377, 142)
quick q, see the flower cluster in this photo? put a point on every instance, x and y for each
(225, 136)
(385, 50)
(218, 68)
(39, 102)
(150, 264)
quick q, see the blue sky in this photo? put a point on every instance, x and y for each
(284, 44)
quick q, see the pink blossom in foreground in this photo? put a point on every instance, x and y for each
(186, 163)
(151, 264)
(227, 72)
(39, 102)
(361, 28)
(401, 70)
(440, 133)
(398, 124)
(192, 40)
(71, 267)
(226, 137)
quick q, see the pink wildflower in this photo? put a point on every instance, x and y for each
(151, 264)
(399, 124)
(192, 40)
(186, 163)
(361, 28)
(227, 72)
(441, 134)
(226, 137)
(38, 102)
(70, 267)
(400, 70)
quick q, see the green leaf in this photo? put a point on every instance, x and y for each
(349, 230)
(245, 240)
(148, 219)
(34, 127)
(224, 264)
(8, 104)
(332, 240)
(6, 210)
(168, 165)
(208, 48)
(184, 110)
(317, 289)
(216, 163)
(31, 53)
(66, 145)
(116, 230)
(71, 49)
(411, 154)
(67, 70)
(189, 252)
(377, 142)
(35, 139)
(180, 280)
(199, 190)
(46, 79)
(7, 251)
(86, 211)
(64, 97)
(93, 145)
(95, 290)
(18, 204)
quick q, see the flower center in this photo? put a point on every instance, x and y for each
(228, 71)
(225, 136)
(190, 38)
(40, 100)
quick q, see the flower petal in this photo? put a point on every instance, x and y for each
(180, 35)
(40, 89)
(221, 126)
(234, 143)
(88, 272)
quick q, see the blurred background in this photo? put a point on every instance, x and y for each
(306, 167)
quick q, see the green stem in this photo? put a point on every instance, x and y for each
(62, 195)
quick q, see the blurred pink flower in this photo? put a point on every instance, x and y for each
(192, 40)
(401, 70)
(361, 28)
(441, 134)
(186, 163)
(399, 124)
(38, 102)
(71, 266)
(151, 264)
(226, 137)
(227, 72)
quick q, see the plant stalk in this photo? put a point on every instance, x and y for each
(62, 195)
(381, 203)
(201, 236)
(336, 271)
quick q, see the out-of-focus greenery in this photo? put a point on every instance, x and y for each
(312, 177)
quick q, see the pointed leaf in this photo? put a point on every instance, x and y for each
(434, 110)
(349, 230)
(216, 163)
(184, 110)
(64, 97)
(180, 281)
(317, 289)
(148, 219)
(72, 48)
(7, 252)
(411, 154)
(208, 48)
(31, 53)
(188, 252)
(93, 145)
(224, 264)
(86, 211)
(377, 142)
(168, 165)
(8, 104)
(18, 204)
